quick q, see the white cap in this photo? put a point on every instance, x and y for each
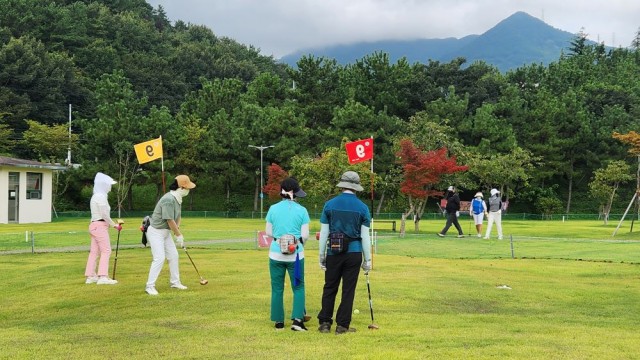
(494, 191)
(451, 188)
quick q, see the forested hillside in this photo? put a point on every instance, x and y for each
(538, 132)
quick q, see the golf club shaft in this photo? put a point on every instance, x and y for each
(115, 261)
(369, 291)
(192, 263)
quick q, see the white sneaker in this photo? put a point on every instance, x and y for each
(499, 237)
(106, 281)
(486, 238)
(91, 280)
(151, 290)
(479, 235)
(179, 286)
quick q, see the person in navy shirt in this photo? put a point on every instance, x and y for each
(344, 240)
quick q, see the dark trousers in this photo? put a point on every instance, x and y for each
(452, 219)
(345, 267)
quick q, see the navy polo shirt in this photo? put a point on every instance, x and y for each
(346, 214)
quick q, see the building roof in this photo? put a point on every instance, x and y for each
(21, 163)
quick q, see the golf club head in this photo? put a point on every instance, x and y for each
(204, 282)
(373, 327)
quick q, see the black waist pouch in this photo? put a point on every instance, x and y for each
(339, 242)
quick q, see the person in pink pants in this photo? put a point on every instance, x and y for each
(100, 250)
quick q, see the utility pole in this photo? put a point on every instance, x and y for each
(69, 146)
(261, 148)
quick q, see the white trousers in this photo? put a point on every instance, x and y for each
(478, 218)
(495, 216)
(162, 247)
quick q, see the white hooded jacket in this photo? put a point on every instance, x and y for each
(100, 209)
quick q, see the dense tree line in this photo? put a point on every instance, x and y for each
(538, 133)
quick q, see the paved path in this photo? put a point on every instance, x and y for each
(190, 244)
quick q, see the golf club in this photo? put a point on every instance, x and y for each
(115, 261)
(203, 281)
(373, 326)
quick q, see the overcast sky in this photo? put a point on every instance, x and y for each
(280, 27)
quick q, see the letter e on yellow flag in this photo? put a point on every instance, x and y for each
(149, 150)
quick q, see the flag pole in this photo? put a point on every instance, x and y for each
(162, 166)
(372, 184)
(372, 209)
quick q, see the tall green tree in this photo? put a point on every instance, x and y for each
(49, 143)
(6, 137)
(36, 84)
(121, 122)
(435, 127)
(505, 172)
(605, 183)
(317, 89)
(212, 110)
(374, 82)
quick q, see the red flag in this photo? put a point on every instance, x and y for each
(360, 150)
(264, 240)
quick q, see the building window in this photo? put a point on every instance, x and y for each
(34, 185)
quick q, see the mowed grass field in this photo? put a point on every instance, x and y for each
(573, 294)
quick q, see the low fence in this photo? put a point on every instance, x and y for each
(510, 247)
(39, 241)
(383, 242)
(316, 215)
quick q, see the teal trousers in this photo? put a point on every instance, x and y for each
(278, 269)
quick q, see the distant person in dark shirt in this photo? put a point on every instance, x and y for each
(453, 210)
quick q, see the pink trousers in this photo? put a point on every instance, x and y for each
(100, 247)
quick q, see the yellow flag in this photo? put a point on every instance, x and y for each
(149, 150)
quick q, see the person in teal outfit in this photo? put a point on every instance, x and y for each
(288, 224)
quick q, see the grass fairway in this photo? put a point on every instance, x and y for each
(433, 299)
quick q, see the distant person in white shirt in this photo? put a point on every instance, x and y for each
(495, 213)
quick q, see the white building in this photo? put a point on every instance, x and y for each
(26, 189)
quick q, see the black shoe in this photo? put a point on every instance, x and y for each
(279, 326)
(325, 327)
(344, 330)
(440, 234)
(298, 325)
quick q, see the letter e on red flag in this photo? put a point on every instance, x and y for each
(360, 150)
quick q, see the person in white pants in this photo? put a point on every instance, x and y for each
(164, 220)
(478, 210)
(495, 214)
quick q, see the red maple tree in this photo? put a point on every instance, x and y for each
(275, 175)
(422, 172)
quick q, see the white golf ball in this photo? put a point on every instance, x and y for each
(356, 311)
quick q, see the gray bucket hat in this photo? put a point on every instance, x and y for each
(350, 180)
